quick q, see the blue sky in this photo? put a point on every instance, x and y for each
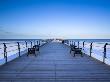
(55, 19)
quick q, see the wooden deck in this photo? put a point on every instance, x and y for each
(54, 64)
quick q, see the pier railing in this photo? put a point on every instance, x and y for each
(12, 50)
(97, 50)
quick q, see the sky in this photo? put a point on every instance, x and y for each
(73, 19)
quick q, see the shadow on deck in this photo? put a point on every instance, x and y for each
(54, 64)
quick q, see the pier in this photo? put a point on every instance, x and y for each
(54, 63)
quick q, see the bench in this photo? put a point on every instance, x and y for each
(76, 50)
(36, 47)
(33, 50)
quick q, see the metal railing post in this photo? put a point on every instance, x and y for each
(83, 44)
(26, 43)
(78, 44)
(18, 48)
(91, 49)
(37, 42)
(104, 56)
(31, 44)
(5, 52)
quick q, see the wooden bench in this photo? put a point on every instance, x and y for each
(72, 48)
(76, 50)
(33, 50)
(36, 47)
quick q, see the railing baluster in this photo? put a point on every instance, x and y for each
(78, 44)
(91, 49)
(18, 48)
(104, 56)
(39, 42)
(5, 52)
(26, 43)
(83, 43)
(31, 44)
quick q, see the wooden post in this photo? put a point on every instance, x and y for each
(5, 52)
(104, 56)
(91, 49)
(18, 48)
